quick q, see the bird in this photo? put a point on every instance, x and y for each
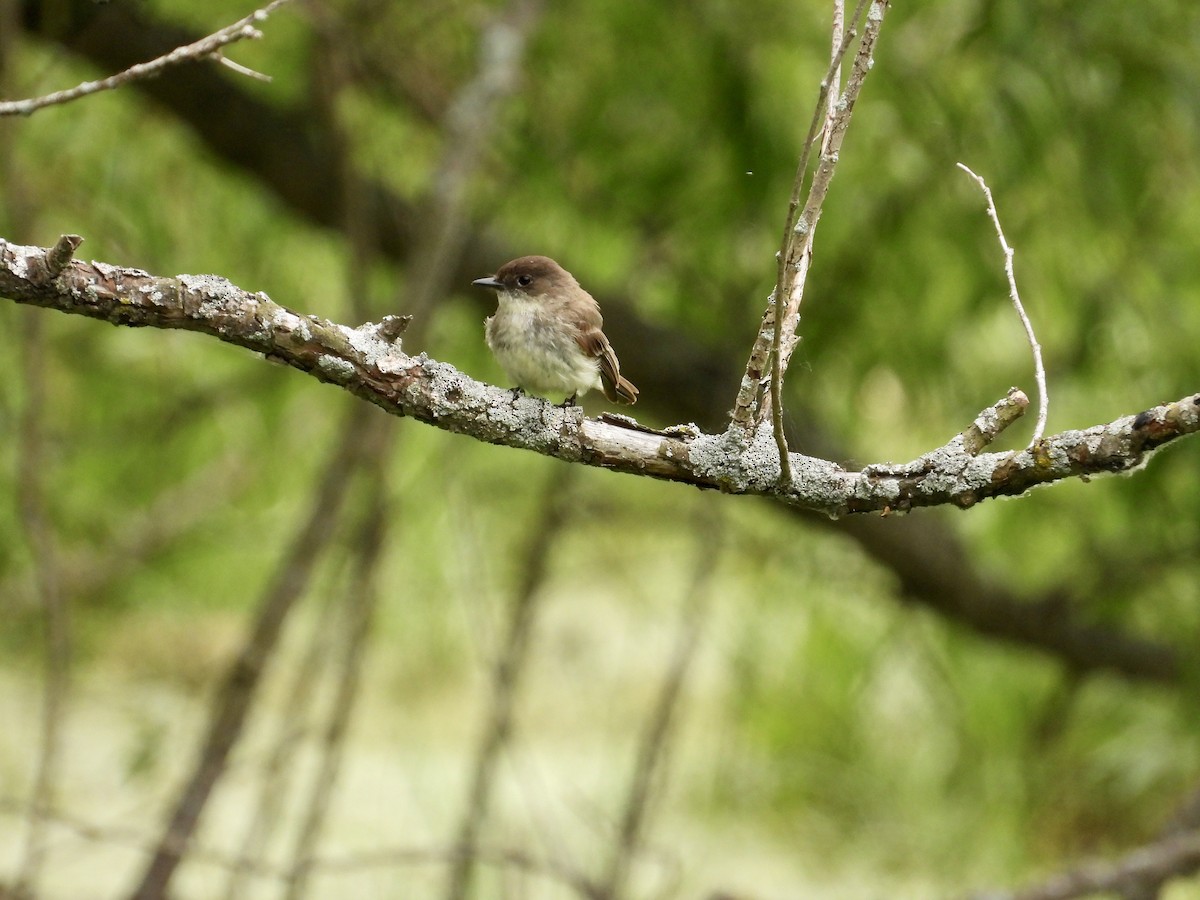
(547, 333)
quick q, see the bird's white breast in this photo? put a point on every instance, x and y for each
(537, 350)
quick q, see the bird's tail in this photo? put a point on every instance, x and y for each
(620, 391)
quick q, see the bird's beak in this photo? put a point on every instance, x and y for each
(489, 282)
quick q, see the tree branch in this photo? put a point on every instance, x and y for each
(822, 120)
(1015, 296)
(1171, 857)
(290, 154)
(777, 336)
(365, 362)
(204, 48)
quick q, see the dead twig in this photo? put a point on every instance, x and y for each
(1014, 295)
(777, 336)
(204, 48)
(822, 121)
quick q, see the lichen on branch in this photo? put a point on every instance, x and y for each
(369, 362)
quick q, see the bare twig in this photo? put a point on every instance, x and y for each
(654, 746)
(986, 427)
(136, 839)
(233, 701)
(1014, 295)
(780, 330)
(209, 46)
(61, 253)
(990, 423)
(506, 679)
(1155, 863)
(822, 119)
(503, 857)
(240, 69)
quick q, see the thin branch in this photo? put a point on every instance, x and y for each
(240, 69)
(751, 404)
(1155, 863)
(209, 46)
(61, 253)
(136, 839)
(1014, 295)
(821, 120)
(502, 857)
(375, 368)
(986, 427)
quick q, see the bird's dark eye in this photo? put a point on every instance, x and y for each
(524, 280)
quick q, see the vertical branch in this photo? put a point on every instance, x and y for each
(654, 746)
(1039, 370)
(777, 334)
(506, 675)
(233, 701)
(826, 96)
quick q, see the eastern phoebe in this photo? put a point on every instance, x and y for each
(546, 334)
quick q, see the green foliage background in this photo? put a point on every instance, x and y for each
(832, 738)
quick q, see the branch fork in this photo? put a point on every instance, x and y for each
(777, 336)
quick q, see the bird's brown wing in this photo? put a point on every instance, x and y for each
(617, 389)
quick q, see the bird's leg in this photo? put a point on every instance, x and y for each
(570, 401)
